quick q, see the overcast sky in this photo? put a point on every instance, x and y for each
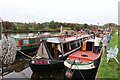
(75, 11)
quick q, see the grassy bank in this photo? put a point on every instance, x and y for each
(111, 69)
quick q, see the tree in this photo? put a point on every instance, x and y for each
(8, 26)
(110, 25)
(40, 27)
(85, 25)
(52, 25)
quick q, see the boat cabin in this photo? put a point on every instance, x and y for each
(86, 53)
(57, 48)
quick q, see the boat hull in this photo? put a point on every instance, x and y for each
(85, 74)
(51, 67)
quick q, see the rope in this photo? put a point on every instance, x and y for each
(25, 54)
(78, 70)
(41, 59)
(81, 74)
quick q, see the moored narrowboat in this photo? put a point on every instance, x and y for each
(53, 51)
(28, 43)
(83, 64)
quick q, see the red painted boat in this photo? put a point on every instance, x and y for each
(83, 63)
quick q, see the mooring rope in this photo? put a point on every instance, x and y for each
(81, 74)
(25, 54)
(78, 70)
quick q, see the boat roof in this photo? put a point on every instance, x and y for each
(28, 36)
(90, 55)
(24, 36)
(55, 40)
(65, 39)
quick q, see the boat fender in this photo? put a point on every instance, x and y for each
(69, 73)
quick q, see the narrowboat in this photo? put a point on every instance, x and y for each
(28, 43)
(53, 51)
(83, 64)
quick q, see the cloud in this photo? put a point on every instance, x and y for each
(81, 11)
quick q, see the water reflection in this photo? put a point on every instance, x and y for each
(28, 74)
(56, 75)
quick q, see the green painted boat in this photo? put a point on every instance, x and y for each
(29, 42)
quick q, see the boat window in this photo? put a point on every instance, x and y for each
(73, 44)
(26, 41)
(66, 47)
(31, 40)
(50, 48)
(79, 43)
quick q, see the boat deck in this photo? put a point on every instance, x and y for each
(84, 56)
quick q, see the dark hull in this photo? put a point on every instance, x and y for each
(30, 51)
(86, 74)
(54, 66)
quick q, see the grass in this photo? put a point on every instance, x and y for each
(111, 69)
